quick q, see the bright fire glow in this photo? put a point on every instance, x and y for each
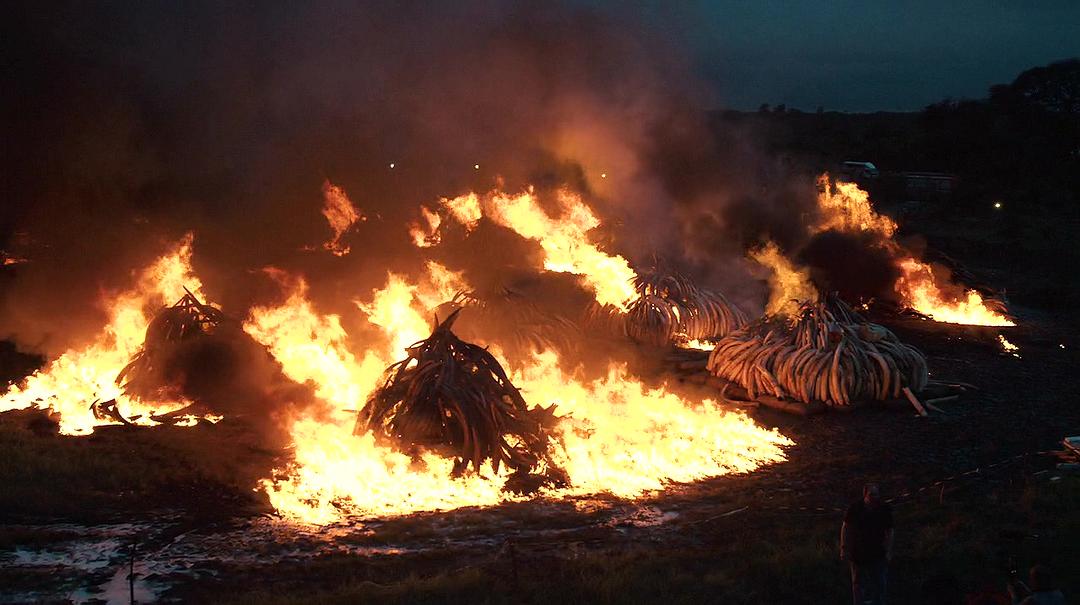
(312, 347)
(788, 285)
(465, 209)
(78, 377)
(619, 436)
(564, 239)
(695, 344)
(426, 234)
(341, 214)
(919, 291)
(846, 207)
(1008, 347)
(8, 259)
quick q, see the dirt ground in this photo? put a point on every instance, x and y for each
(974, 494)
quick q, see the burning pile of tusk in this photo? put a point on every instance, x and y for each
(669, 308)
(451, 395)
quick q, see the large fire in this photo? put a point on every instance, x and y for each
(70, 383)
(788, 285)
(918, 286)
(617, 435)
(564, 240)
(846, 207)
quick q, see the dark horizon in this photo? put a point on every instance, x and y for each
(859, 57)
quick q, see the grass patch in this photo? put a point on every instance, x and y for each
(118, 470)
(974, 534)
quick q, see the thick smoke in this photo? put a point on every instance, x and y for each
(855, 265)
(129, 124)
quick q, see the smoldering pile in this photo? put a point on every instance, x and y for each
(453, 397)
(826, 353)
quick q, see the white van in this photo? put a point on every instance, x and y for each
(860, 170)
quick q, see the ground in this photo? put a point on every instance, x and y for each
(974, 496)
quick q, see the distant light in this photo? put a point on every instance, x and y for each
(392, 164)
(997, 204)
(476, 166)
(1062, 346)
(603, 175)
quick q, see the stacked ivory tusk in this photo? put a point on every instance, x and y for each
(518, 326)
(828, 353)
(669, 307)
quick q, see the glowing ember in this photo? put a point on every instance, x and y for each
(788, 284)
(695, 344)
(340, 214)
(7, 259)
(75, 379)
(1008, 347)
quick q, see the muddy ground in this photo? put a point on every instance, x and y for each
(975, 496)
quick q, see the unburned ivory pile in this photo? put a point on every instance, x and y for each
(828, 353)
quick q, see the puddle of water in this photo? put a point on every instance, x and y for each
(91, 563)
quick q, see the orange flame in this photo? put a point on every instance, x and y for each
(918, 289)
(1009, 347)
(564, 240)
(427, 234)
(340, 214)
(788, 284)
(846, 207)
(9, 259)
(465, 208)
(618, 436)
(69, 383)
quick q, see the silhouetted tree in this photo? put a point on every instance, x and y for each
(1054, 87)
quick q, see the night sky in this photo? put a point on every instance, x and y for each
(864, 56)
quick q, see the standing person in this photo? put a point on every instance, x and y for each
(866, 544)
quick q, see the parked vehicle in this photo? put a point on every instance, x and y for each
(859, 170)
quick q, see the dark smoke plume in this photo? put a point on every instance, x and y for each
(127, 124)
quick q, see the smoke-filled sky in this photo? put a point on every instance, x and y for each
(126, 125)
(859, 55)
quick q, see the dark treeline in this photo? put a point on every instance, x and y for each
(1020, 143)
(1019, 146)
